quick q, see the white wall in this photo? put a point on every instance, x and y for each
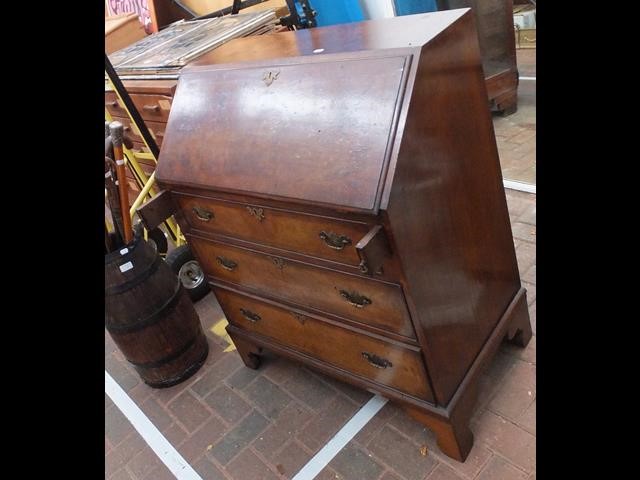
(373, 9)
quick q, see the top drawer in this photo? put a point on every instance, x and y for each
(324, 237)
(151, 107)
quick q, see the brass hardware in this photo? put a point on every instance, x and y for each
(269, 77)
(202, 214)
(151, 108)
(298, 317)
(363, 267)
(335, 241)
(278, 262)
(256, 212)
(355, 299)
(376, 361)
(113, 104)
(249, 315)
(226, 263)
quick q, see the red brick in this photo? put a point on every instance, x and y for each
(207, 470)
(158, 415)
(516, 393)
(247, 466)
(107, 446)
(477, 458)
(212, 376)
(443, 472)
(327, 423)
(528, 419)
(202, 441)
(167, 395)
(143, 463)
(408, 427)
(290, 422)
(327, 474)
(124, 452)
(161, 472)
(498, 469)
(189, 411)
(526, 354)
(509, 440)
(307, 388)
(526, 256)
(530, 275)
(400, 454)
(532, 316)
(116, 426)
(529, 214)
(353, 393)
(291, 458)
(352, 463)
(120, 373)
(389, 476)
(238, 438)
(227, 404)
(175, 434)
(140, 393)
(268, 397)
(242, 377)
(121, 474)
(524, 231)
(493, 377)
(277, 369)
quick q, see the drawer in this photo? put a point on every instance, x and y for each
(139, 147)
(154, 108)
(377, 304)
(156, 129)
(146, 168)
(358, 353)
(314, 235)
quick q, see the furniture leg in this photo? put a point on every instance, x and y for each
(519, 332)
(249, 352)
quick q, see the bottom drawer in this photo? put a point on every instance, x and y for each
(373, 358)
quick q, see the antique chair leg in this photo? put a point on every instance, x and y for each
(249, 352)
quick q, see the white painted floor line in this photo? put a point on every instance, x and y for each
(156, 441)
(527, 78)
(340, 439)
(521, 186)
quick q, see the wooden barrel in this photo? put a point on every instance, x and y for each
(151, 317)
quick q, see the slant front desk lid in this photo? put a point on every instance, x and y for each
(305, 127)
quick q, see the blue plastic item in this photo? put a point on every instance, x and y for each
(409, 7)
(333, 12)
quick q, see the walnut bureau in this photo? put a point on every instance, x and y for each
(347, 206)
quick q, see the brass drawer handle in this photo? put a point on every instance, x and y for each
(256, 212)
(249, 315)
(376, 361)
(151, 108)
(355, 299)
(202, 214)
(113, 104)
(335, 241)
(226, 263)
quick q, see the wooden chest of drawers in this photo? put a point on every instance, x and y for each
(344, 198)
(153, 100)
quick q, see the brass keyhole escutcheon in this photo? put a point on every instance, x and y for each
(256, 212)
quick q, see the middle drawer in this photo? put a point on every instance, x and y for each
(370, 302)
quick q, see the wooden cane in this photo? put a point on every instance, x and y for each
(117, 133)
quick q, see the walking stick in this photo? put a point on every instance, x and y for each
(117, 132)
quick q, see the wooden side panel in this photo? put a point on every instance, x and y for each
(448, 212)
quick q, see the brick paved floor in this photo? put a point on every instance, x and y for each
(516, 133)
(231, 422)
(234, 423)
